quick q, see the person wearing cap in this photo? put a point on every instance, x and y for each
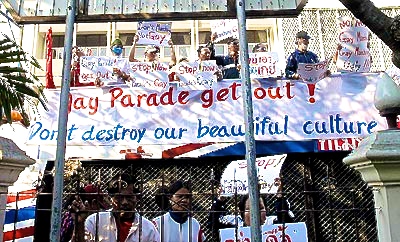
(300, 55)
(229, 63)
(122, 66)
(151, 52)
(122, 222)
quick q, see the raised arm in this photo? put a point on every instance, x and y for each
(133, 49)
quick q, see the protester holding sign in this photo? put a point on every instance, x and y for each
(151, 52)
(300, 55)
(229, 63)
(77, 53)
(260, 47)
(178, 224)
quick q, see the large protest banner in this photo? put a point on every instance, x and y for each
(338, 107)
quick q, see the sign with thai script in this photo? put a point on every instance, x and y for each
(154, 33)
(313, 72)
(198, 75)
(224, 29)
(234, 179)
(353, 53)
(264, 64)
(292, 232)
(339, 106)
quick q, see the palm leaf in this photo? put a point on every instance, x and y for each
(18, 86)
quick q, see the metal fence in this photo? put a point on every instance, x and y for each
(327, 195)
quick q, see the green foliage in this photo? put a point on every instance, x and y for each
(18, 86)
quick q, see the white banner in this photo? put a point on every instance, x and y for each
(294, 232)
(154, 33)
(339, 106)
(354, 56)
(234, 178)
(225, 28)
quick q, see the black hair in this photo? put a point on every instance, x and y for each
(175, 186)
(161, 198)
(231, 40)
(202, 47)
(120, 181)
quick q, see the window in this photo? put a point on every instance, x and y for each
(89, 40)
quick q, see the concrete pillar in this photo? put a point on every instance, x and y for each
(378, 160)
(12, 162)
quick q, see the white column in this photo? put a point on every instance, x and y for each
(378, 160)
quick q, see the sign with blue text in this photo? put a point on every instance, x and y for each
(338, 106)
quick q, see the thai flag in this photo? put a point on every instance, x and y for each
(20, 216)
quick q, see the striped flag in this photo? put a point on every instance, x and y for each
(20, 216)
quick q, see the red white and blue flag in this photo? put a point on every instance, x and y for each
(20, 216)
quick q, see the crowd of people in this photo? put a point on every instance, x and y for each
(229, 65)
(92, 217)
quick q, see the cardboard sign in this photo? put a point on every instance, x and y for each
(264, 64)
(154, 33)
(354, 56)
(225, 28)
(198, 75)
(235, 180)
(313, 72)
(102, 67)
(149, 75)
(294, 232)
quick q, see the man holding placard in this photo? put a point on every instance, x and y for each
(300, 55)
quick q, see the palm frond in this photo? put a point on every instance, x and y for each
(18, 86)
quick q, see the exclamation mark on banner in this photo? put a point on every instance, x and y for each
(311, 89)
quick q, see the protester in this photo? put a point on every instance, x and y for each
(121, 68)
(123, 222)
(93, 200)
(220, 217)
(77, 53)
(229, 63)
(151, 52)
(300, 55)
(178, 224)
(204, 54)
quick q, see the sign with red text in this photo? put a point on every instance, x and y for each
(292, 232)
(234, 179)
(345, 144)
(313, 72)
(198, 75)
(154, 33)
(101, 68)
(340, 106)
(264, 64)
(153, 75)
(353, 55)
(224, 29)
